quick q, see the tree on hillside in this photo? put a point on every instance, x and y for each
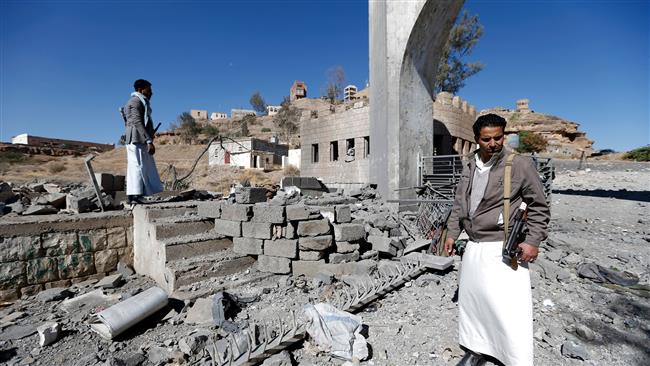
(531, 142)
(187, 127)
(453, 70)
(335, 83)
(286, 120)
(258, 103)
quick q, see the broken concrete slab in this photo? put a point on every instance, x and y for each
(40, 210)
(314, 227)
(54, 199)
(429, 260)
(200, 313)
(48, 333)
(54, 294)
(383, 244)
(287, 248)
(277, 265)
(88, 301)
(112, 281)
(315, 243)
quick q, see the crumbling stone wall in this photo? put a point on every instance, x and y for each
(54, 251)
(453, 118)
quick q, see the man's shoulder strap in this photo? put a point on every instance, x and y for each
(507, 174)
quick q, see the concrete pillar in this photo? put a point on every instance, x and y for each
(406, 41)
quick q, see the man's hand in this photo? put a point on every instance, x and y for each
(449, 247)
(528, 253)
(151, 149)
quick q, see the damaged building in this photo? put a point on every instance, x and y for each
(248, 153)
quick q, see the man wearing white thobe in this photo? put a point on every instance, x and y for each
(141, 176)
(494, 300)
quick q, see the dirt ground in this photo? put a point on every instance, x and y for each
(600, 215)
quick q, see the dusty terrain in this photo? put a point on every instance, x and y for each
(600, 215)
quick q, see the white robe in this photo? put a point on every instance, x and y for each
(495, 306)
(141, 174)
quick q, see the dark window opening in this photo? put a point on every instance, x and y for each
(366, 146)
(314, 153)
(334, 151)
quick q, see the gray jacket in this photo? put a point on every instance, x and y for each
(136, 131)
(484, 224)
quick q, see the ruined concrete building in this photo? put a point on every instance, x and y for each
(236, 114)
(563, 137)
(298, 90)
(48, 142)
(218, 115)
(247, 153)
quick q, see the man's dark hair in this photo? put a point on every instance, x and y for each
(141, 84)
(488, 120)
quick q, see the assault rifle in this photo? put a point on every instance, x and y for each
(511, 248)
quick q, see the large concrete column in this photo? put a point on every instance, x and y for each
(406, 41)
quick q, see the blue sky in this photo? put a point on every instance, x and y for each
(66, 66)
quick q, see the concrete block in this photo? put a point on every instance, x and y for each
(343, 214)
(287, 248)
(266, 213)
(297, 212)
(250, 195)
(315, 243)
(106, 260)
(112, 281)
(41, 270)
(429, 260)
(12, 275)
(313, 227)
(227, 227)
(57, 200)
(335, 258)
(211, 209)
(258, 230)
(116, 237)
(277, 265)
(346, 247)
(383, 245)
(76, 265)
(77, 204)
(48, 333)
(20, 248)
(236, 212)
(93, 240)
(105, 181)
(310, 255)
(248, 246)
(349, 232)
(119, 183)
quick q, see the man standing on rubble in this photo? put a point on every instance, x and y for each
(495, 301)
(141, 176)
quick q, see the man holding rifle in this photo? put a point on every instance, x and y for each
(495, 301)
(141, 175)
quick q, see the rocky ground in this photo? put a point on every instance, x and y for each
(600, 215)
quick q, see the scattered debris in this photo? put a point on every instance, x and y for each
(48, 333)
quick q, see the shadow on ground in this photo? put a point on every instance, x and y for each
(641, 196)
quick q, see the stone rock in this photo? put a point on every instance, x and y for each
(78, 204)
(124, 269)
(76, 265)
(257, 230)
(112, 281)
(326, 278)
(280, 359)
(572, 349)
(16, 207)
(52, 188)
(236, 212)
(349, 232)
(572, 259)
(54, 294)
(297, 212)
(227, 227)
(267, 213)
(158, 355)
(13, 317)
(211, 209)
(345, 247)
(343, 214)
(317, 243)
(313, 227)
(42, 270)
(48, 333)
(106, 260)
(12, 275)
(200, 313)
(6, 193)
(383, 244)
(40, 210)
(585, 332)
(310, 255)
(277, 265)
(554, 255)
(250, 194)
(132, 359)
(192, 344)
(287, 248)
(336, 258)
(248, 246)
(16, 332)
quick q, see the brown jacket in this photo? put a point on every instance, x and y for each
(525, 185)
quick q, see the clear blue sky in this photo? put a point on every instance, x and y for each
(66, 66)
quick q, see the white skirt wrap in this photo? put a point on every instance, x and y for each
(141, 173)
(495, 305)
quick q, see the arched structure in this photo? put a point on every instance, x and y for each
(406, 41)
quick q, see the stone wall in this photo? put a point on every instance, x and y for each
(57, 251)
(453, 119)
(340, 123)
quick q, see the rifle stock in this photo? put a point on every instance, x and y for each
(511, 247)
